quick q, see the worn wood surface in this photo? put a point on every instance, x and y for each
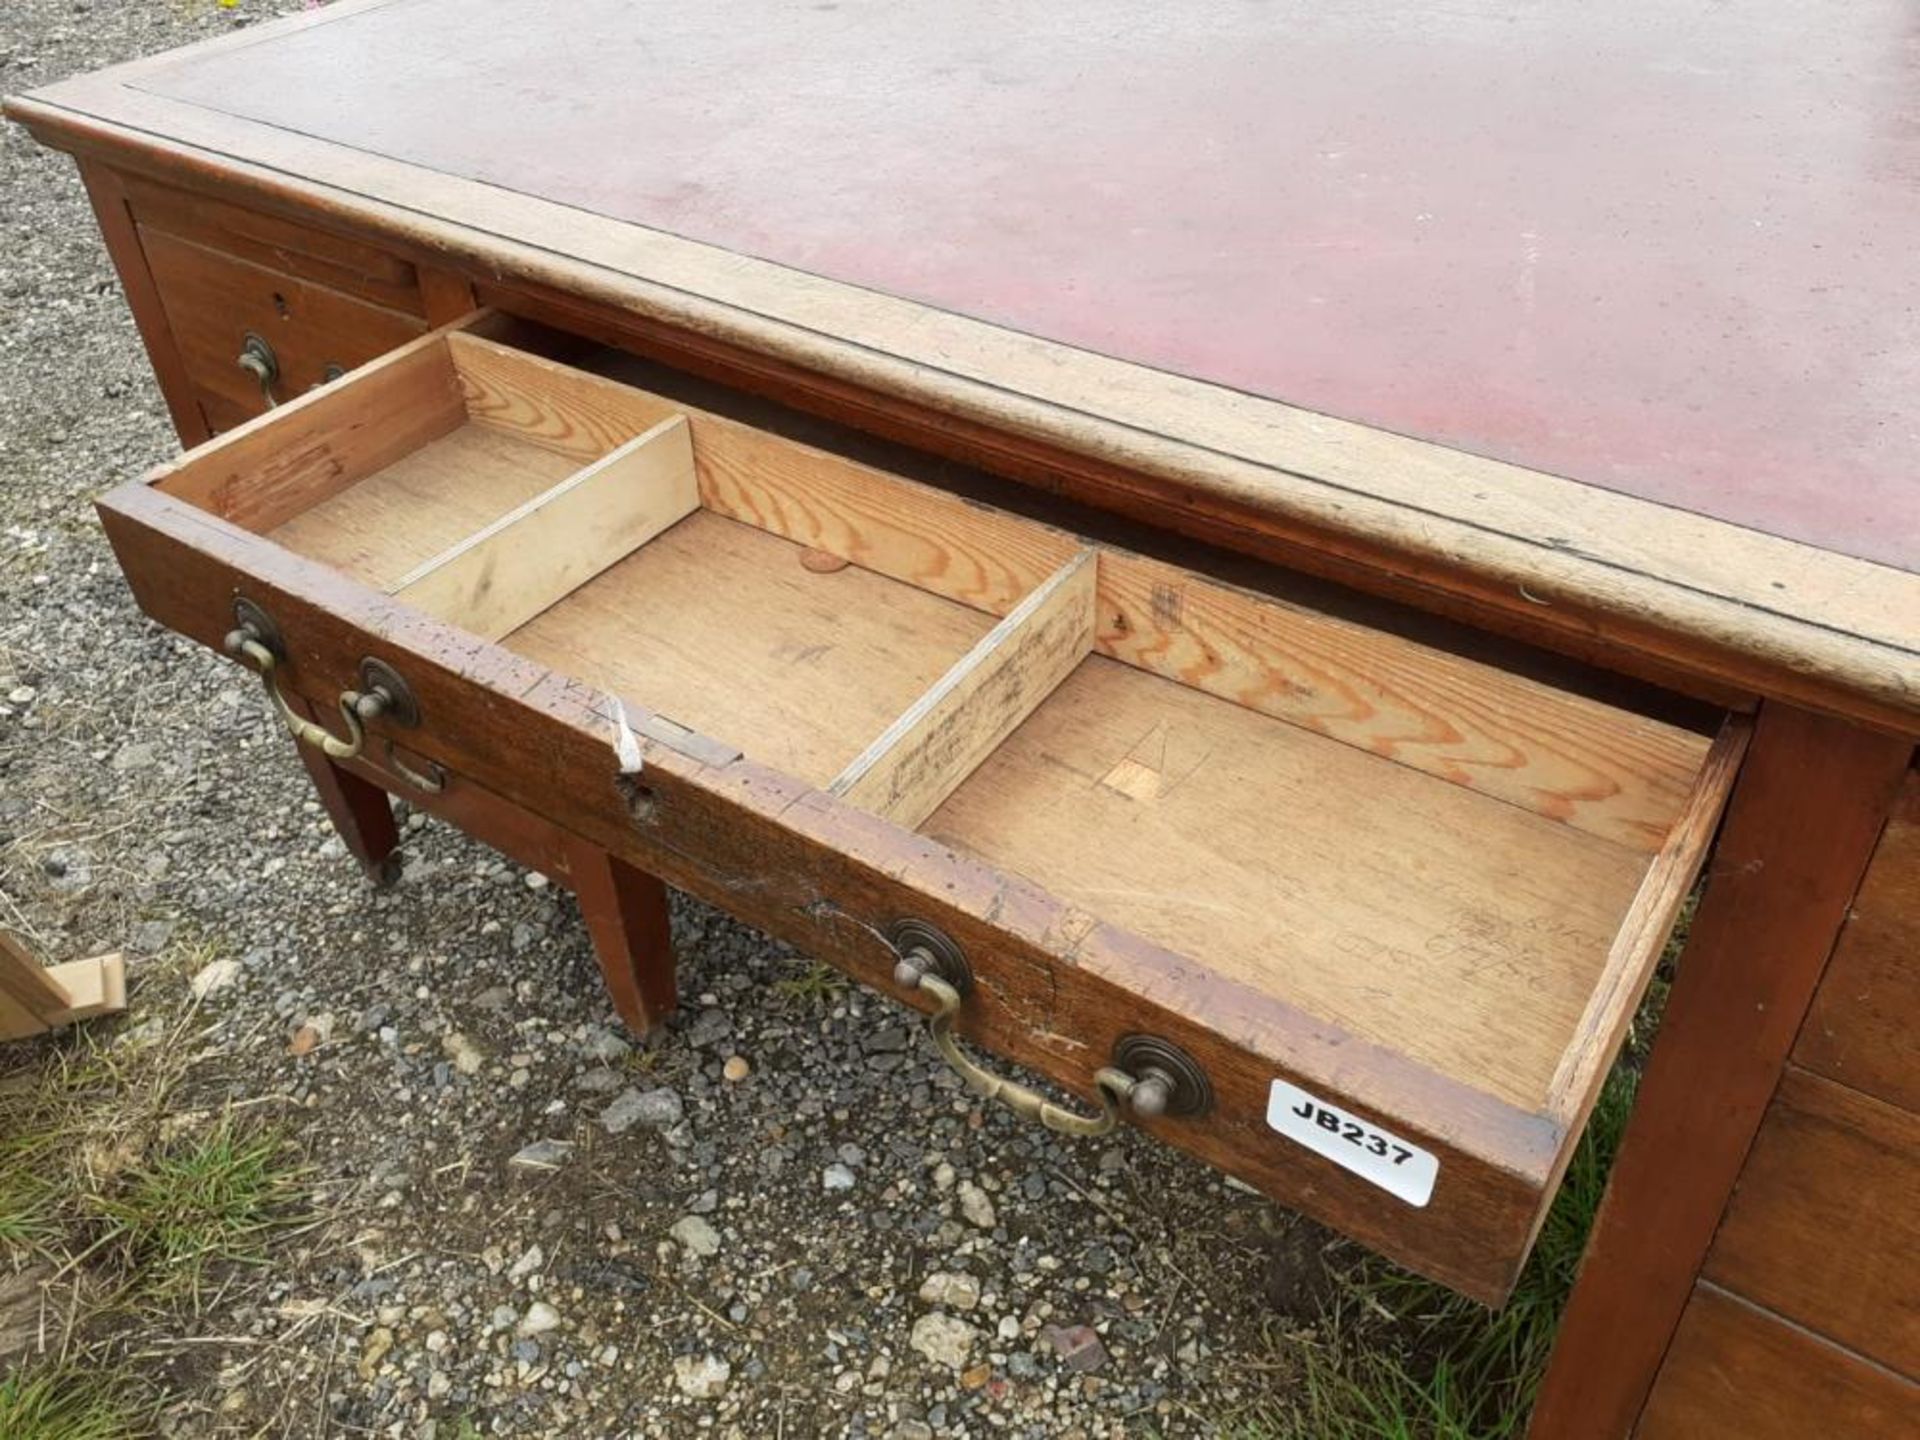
(1824, 1226)
(417, 508)
(36, 998)
(1642, 935)
(1598, 769)
(213, 300)
(509, 570)
(1461, 931)
(107, 192)
(1736, 1372)
(1864, 1028)
(270, 469)
(577, 415)
(1058, 985)
(1597, 573)
(721, 626)
(272, 242)
(964, 715)
(1805, 815)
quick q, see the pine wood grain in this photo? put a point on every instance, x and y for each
(534, 400)
(500, 577)
(721, 626)
(277, 465)
(1464, 932)
(1861, 1030)
(424, 503)
(1613, 774)
(970, 553)
(1824, 1226)
(1737, 1372)
(957, 723)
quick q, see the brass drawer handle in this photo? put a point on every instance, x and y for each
(354, 707)
(258, 360)
(1167, 1080)
(256, 639)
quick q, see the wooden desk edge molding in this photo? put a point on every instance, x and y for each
(1698, 604)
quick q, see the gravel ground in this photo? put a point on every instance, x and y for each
(533, 1227)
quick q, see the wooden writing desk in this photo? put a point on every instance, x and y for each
(1592, 329)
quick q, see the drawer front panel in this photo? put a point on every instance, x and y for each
(215, 301)
(1055, 990)
(284, 246)
(1824, 1226)
(1860, 1030)
(1737, 1372)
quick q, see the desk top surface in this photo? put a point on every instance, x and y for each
(1604, 317)
(1669, 249)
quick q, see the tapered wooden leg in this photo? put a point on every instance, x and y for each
(360, 812)
(626, 914)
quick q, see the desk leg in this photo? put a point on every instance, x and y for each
(1805, 814)
(360, 812)
(626, 914)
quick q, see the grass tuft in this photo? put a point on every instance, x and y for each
(1410, 1360)
(814, 986)
(214, 1196)
(70, 1402)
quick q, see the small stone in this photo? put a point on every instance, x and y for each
(944, 1340)
(536, 881)
(976, 1207)
(976, 1377)
(656, 1108)
(1078, 1346)
(943, 1176)
(467, 1057)
(950, 1288)
(911, 1430)
(531, 1260)
(136, 756)
(836, 1177)
(605, 1046)
(305, 1040)
(701, 1377)
(696, 1236)
(374, 1351)
(542, 1155)
(736, 1069)
(214, 976)
(540, 1318)
(1009, 1328)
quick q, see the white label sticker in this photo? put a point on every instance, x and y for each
(1368, 1151)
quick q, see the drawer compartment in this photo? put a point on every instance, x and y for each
(1392, 907)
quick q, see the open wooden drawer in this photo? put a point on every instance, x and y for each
(1371, 919)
